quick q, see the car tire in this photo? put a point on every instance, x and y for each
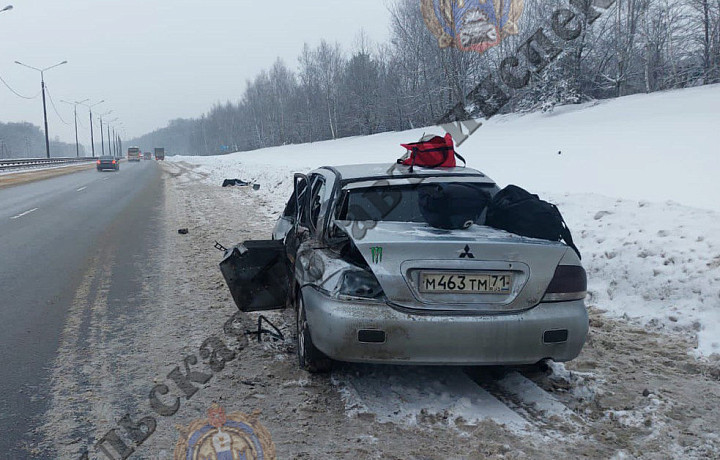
(309, 357)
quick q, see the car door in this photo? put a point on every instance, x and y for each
(309, 265)
(287, 221)
(257, 272)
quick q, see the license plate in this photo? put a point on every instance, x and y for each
(466, 283)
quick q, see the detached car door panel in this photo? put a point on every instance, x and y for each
(258, 271)
(257, 274)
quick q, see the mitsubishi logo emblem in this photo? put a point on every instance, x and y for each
(466, 254)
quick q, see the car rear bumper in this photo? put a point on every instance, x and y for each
(103, 167)
(378, 333)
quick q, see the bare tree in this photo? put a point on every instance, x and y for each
(410, 81)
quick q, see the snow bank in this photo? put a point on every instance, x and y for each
(635, 177)
(658, 263)
(657, 147)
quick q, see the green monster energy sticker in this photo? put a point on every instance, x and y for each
(377, 253)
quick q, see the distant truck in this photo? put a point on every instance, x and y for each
(147, 156)
(134, 154)
(159, 153)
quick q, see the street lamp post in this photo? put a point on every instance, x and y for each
(116, 138)
(42, 85)
(92, 138)
(107, 123)
(77, 143)
(102, 138)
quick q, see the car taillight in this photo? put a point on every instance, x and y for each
(98, 162)
(113, 161)
(568, 283)
(359, 284)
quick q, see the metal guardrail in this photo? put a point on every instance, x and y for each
(22, 163)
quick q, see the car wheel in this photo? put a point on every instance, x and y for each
(309, 357)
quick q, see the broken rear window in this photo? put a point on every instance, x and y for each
(390, 203)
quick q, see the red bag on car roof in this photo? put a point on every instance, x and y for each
(431, 152)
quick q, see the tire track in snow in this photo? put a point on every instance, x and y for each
(411, 395)
(76, 403)
(97, 371)
(543, 406)
(453, 396)
(526, 396)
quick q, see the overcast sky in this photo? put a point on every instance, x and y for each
(155, 60)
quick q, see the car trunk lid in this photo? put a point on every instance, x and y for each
(424, 268)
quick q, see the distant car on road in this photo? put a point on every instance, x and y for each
(108, 163)
(159, 153)
(372, 281)
(133, 154)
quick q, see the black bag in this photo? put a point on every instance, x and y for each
(518, 211)
(452, 205)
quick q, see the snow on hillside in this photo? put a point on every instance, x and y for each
(635, 177)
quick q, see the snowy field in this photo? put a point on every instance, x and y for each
(636, 179)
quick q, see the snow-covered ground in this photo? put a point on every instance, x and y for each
(632, 393)
(636, 179)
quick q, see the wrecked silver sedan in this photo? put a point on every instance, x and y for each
(371, 281)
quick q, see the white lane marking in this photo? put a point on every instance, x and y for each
(81, 189)
(24, 213)
(106, 178)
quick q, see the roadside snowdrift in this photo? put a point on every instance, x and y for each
(636, 179)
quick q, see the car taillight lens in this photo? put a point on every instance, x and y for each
(359, 284)
(113, 161)
(568, 283)
(98, 162)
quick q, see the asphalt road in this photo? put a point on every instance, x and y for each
(49, 232)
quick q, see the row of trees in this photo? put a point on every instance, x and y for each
(25, 140)
(635, 46)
